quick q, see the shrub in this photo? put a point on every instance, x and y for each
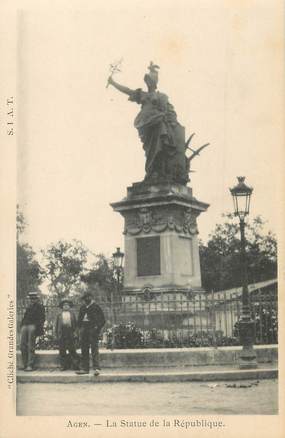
(124, 336)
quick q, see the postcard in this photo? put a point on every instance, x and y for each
(142, 188)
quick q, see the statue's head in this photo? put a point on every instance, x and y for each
(151, 82)
(151, 78)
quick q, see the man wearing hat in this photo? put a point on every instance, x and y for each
(65, 327)
(90, 321)
(32, 326)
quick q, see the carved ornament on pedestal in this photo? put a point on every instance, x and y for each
(146, 220)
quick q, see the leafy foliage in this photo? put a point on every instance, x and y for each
(20, 222)
(220, 258)
(29, 271)
(64, 265)
(125, 336)
(100, 278)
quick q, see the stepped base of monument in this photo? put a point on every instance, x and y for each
(168, 357)
(206, 374)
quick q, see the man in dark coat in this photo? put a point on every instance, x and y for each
(65, 328)
(90, 321)
(32, 326)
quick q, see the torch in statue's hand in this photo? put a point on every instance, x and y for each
(114, 68)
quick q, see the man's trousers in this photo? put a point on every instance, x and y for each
(28, 345)
(66, 343)
(89, 337)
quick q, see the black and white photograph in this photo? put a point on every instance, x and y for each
(146, 147)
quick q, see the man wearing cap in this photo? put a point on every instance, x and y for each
(31, 327)
(90, 321)
(65, 327)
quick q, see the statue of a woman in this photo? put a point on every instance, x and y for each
(162, 136)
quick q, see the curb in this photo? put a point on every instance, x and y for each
(143, 376)
(148, 358)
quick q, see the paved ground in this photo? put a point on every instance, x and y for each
(244, 397)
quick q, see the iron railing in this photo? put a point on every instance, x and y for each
(183, 320)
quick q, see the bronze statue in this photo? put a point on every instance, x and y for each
(162, 135)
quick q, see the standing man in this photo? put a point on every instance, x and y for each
(32, 326)
(90, 321)
(65, 328)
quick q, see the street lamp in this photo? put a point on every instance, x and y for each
(241, 194)
(118, 258)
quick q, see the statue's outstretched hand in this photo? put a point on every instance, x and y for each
(119, 87)
(110, 80)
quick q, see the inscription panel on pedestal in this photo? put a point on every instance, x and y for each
(148, 256)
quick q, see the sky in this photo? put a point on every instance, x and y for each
(77, 148)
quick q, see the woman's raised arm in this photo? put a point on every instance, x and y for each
(119, 87)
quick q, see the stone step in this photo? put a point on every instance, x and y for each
(175, 357)
(149, 375)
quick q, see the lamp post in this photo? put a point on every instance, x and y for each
(241, 194)
(118, 258)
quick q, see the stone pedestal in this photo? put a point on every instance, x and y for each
(161, 238)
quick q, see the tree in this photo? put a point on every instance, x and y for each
(20, 222)
(100, 278)
(29, 272)
(220, 258)
(65, 262)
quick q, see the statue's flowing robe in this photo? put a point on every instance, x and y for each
(162, 136)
